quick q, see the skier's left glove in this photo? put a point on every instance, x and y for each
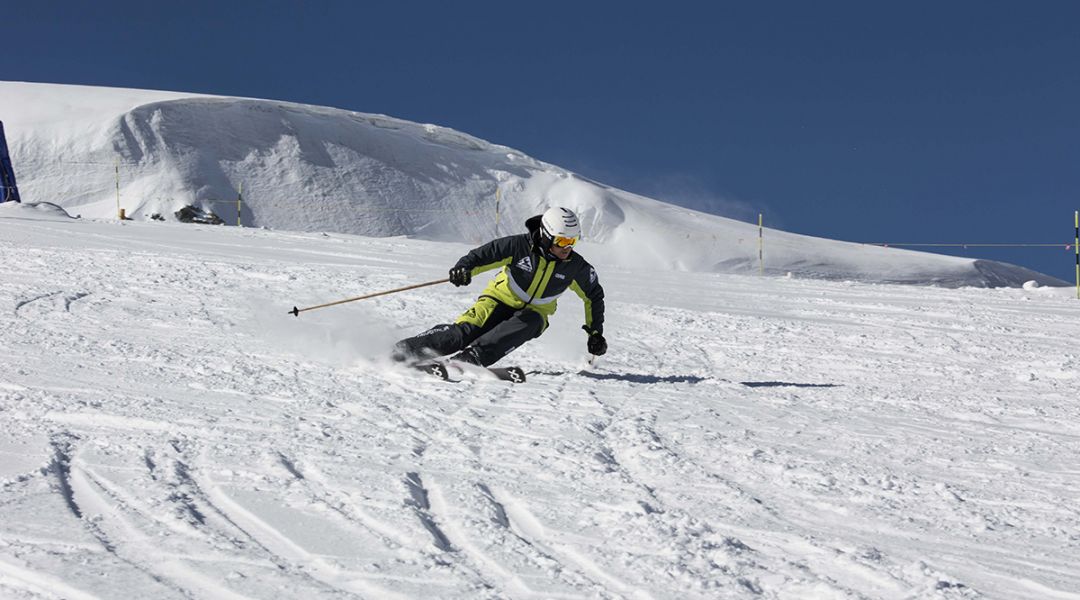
(597, 344)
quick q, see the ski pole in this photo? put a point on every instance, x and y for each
(296, 311)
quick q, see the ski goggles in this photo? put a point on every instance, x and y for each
(564, 242)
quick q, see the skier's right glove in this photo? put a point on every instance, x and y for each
(597, 344)
(460, 276)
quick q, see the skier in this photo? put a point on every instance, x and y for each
(514, 308)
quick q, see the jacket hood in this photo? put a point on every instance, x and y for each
(533, 225)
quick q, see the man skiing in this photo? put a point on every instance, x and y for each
(514, 308)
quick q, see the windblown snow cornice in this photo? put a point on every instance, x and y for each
(312, 168)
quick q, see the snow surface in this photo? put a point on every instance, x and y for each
(312, 168)
(170, 432)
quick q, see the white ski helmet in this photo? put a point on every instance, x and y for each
(560, 225)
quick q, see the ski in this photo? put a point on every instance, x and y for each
(511, 374)
(437, 369)
(443, 371)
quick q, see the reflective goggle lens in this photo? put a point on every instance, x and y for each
(563, 242)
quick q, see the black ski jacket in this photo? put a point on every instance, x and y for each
(534, 278)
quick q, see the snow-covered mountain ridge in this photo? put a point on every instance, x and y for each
(310, 168)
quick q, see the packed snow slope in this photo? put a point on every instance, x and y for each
(170, 432)
(311, 168)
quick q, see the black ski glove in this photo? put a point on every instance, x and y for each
(460, 276)
(597, 344)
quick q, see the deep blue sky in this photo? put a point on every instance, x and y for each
(942, 121)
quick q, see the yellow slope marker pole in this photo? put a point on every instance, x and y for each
(119, 213)
(760, 244)
(498, 198)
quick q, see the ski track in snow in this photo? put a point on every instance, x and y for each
(172, 433)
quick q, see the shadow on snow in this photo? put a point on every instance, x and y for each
(630, 377)
(787, 384)
(653, 379)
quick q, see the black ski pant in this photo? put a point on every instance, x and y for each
(501, 331)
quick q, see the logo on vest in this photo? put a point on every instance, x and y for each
(525, 264)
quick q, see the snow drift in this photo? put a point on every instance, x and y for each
(311, 168)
